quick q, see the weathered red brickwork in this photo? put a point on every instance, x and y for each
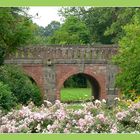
(35, 71)
(64, 71)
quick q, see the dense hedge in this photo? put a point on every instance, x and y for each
(21, 87)
(6, 98)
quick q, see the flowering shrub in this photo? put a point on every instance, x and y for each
(57, 118)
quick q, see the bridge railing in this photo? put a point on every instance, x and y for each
(56, 53)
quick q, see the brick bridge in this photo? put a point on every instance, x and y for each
(51, 66)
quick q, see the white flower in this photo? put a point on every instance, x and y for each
(88, 118)
(121, 115)
(68, 125)
(38, 127)
(47, 103)
(22, 127)
(78, 112)
(60, 114)
(97, 103)
(57, 102)
(39, 116)
(66, 130)
(4, 119)
(73, 122)
(114, 129)
(116, 99)
(49, 127)
(103, 100)
(101, 117)
(24, 112)
(82, 122)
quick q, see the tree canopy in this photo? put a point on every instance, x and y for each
(73, 31)
(51, 28)
(41, 34)
(15, 29)
(104, 23)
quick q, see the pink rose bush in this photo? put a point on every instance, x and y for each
(94, 117)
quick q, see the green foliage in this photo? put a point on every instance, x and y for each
(76, 81)
(15, 29)
(6, 98)
(105, 24)
(41, 34)
(73, 31)
(20, 85)
(97, 20)
(51, 28)
(36, 96)
(120, 18)
(128, 59)
(38, 37)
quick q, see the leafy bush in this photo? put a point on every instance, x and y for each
(20, 85)
(6, 98)
(36, 97)
(128, 59)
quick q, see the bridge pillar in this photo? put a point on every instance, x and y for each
(112, 91)
(50, 83)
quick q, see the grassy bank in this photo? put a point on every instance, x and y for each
(75, 94)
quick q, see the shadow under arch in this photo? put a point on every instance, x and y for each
(95, 87)
(94, 83)
(34, 81)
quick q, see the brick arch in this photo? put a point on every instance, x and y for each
(99, 78)
(36, 73)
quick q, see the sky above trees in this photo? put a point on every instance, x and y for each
(45, 15)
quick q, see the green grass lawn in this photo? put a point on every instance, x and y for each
(75, 94)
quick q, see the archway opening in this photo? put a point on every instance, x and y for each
(80, 87)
